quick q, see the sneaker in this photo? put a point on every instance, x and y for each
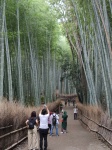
(61, 132)
(50, 135)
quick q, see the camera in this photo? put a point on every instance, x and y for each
(45, 106)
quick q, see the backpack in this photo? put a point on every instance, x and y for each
(54, 120)
(31, 123)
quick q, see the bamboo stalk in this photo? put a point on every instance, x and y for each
(107, 35)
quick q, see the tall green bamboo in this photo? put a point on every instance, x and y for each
(2, 22)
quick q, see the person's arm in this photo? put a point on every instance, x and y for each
(47, 110)
(40, 112)
(27, 122)
(37, 122)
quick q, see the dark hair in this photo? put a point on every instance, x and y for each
(33, 114)
(44, 111)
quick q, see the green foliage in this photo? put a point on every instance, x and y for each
(36, 17)
(42, 100)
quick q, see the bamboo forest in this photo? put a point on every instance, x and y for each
(53, 47)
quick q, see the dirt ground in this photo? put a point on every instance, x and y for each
(77, 137)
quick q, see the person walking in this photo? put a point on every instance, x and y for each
(73, 102)
(68, 102)
(54, 123)
(43, 128)
(75, 112)
(64, 122)
(33, 138)
(65, 103)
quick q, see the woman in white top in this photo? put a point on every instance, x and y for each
(43, 128)
(75, 112)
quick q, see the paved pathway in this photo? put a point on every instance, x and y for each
(77, 138)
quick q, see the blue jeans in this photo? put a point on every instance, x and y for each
(52, 127)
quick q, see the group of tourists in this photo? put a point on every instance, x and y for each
(38, 127)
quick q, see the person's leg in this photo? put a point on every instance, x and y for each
(74, 116)
(56, 130)
(52, 127)
(65, 129)
(41, 139)
(30, 134)
(49, 125)
(45, 141)
(61, 127)
(35, 139)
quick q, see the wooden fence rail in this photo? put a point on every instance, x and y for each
(15, 131)
(1, 128)
(100, 125)
(15, 144)
(13, 138)
(7, 129)
(100, 129)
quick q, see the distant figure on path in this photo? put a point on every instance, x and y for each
(33, 138)
(75, 112)
(43, 128)
(64, 122)
(55, 123)
(62, 111)
(73, 102)
(68, 102)
(65, 103)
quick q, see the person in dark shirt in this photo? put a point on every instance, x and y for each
(33, 139)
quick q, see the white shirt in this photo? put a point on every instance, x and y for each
(57, 118)
(75, 110)
(43, 121)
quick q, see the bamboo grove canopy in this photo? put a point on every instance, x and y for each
(34, 60)
(30, 52)
(88, 28)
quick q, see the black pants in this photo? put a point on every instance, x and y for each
(43, 137)
(75, 116)
(49, 125)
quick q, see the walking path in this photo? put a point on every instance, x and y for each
(77, 138)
